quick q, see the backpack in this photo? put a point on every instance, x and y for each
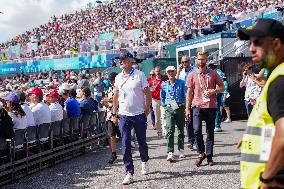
(6, 125)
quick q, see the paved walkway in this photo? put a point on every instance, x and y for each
(92, 170)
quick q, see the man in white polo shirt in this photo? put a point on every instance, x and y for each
(133, 97)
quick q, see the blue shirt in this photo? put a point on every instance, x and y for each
(88, 106)
(176, 92)
(73, 107)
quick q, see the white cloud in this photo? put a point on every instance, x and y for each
(22, 15)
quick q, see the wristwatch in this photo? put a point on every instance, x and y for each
(266, 181)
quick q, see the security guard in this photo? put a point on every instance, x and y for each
(262, 145)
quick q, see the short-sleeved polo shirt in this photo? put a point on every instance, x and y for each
(194, 84)
(131, 96)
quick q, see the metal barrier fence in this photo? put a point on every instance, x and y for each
(232, 68)
(42, 146)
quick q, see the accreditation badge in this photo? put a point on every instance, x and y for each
(267, 135)
(174, 105)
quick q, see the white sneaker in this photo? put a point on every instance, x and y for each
(170, 157)
(217, 130)
(144, 168)
(228, 121)
(128, 179)
(181, 154)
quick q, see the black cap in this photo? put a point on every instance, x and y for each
(112, 76)
(263, 27)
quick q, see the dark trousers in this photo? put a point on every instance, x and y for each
(249, 107)
(189, 129)
(152, 115)
(208, 115)
(139, 123)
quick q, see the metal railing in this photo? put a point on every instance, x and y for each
(140, 49)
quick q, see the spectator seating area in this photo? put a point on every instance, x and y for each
(131, 23)
(38, 147)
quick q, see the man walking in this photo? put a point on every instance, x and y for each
(262, 146)
(132, 99)
(155, 87)
(203, 86)
(214, 66)
(183, 71)
(173, 100)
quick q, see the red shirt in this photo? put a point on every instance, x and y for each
(155, 87)
(208, 80)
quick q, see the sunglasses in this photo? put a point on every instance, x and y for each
(258, 42)
(184, 62)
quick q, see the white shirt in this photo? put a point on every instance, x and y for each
(131, 96)
(18, 121)
(29, 115)
(56, 112)
(41, 113)
(252, 89)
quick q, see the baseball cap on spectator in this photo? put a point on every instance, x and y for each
(12, 97)
(37, 91)
(112, 76)
(54, 94)
(263, 27)
(170, 68)
(66, 86)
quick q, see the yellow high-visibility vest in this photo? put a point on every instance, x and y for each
(251, 166)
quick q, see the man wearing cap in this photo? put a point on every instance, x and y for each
(40, 110)
(55, 108)
(262, 146)
(173, 100)
(132, 99)
(213, 64)
(113, 130)
(183, 70)
(203, 86)
(155, 87)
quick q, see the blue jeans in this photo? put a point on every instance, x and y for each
(218, 118)
(139, 123)
(208, 115)
(248, 107)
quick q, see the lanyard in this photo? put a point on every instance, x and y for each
(201, 84)
(171, 95)
(130, 74)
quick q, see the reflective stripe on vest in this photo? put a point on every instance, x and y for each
(251, 166)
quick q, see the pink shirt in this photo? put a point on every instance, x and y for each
(208, 80)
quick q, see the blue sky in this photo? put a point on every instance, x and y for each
(22, 15)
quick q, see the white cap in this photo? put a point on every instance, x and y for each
(170, 68)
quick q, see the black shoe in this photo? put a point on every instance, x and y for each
(112, 159)
(210, 162)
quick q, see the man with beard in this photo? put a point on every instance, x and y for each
(262, 146)
(132, 99)
(203, 86)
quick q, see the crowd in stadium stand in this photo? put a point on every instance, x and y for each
(159, 21)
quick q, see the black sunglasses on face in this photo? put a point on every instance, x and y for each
(258, 42)
(184, 62)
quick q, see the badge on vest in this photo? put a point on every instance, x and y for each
(267, 135)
